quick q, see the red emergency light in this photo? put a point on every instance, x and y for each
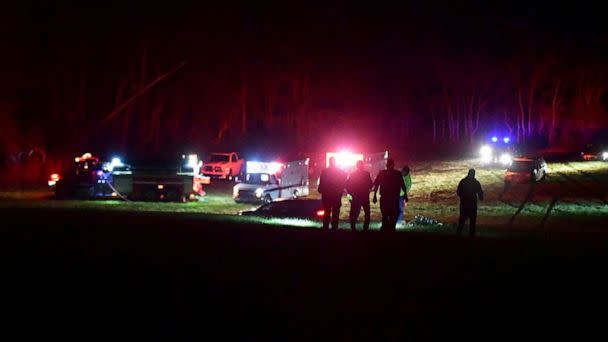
(53, 179)
(84, 157)
(344, 159)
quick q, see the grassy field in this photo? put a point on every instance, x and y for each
(573, 197)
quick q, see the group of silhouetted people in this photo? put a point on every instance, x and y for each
(394, 187)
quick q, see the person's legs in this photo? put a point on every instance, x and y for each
(367, 212)
(335, 213)
(472, 221)
(401, 210)
(461, 219)
(393, 219)
(385, 219)
(355, 209)
(390, 211)
(327, 208)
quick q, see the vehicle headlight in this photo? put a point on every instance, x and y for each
(485, 154)
(259, 192)
(605, 156)
(505, 159)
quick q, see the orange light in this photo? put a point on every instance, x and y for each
(321, 213)
(77, 159)
(55, 177)
(160, 186)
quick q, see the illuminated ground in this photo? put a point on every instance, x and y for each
(572, 198)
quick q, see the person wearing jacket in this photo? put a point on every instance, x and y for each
(390, 182)
(469, 191)
(331, 186)
(358, 186)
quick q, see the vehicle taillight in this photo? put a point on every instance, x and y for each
(321, 213)
(54, 177)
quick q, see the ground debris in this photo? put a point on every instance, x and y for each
(420, 220)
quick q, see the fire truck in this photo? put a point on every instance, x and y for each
(87, 178)
(148, 180)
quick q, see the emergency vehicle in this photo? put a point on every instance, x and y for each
(87, 178)
(158, 179)
(594, 152)
(498, 151)
(149, 180)
(270, 181)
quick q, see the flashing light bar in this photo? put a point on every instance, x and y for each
(115, 162)
(344, 159)
(264, 167)
(83, 157)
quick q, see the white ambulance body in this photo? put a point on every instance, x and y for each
(271, 181)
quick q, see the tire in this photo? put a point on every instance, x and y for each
(267, 199)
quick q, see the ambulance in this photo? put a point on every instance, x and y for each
(265, 182)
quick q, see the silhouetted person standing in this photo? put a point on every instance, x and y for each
(331, 186)
(407, 179)
(390, 183)
(469, 191)
(358, 185)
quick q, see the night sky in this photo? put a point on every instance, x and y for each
(307, 74)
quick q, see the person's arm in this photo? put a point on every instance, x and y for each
(479, 191)
(369, 182)
(376, 185)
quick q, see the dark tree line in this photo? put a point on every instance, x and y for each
(224, 80)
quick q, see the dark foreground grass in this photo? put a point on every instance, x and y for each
(88, 274)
